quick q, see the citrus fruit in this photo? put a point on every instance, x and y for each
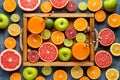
(71, 6)
(106, 37)
(84, 78)
(93, 72)
(15, 76)
(9, 5)
(68, 42)
(34, 40)
(60, 75)
(82, 6)
(80, 24)
(57, 37)
(49, 23)
(10, 60)
(80, 51)
(46, 6)
(46, 70)
(76, 72)
(112, 74)
(59, 3)
(115, 49)
(29, 5)
(103, 59)
(80, 37)
(39, 78)
(36, 24)
(94, 5)
(14, 29)
(48, 52)
(46, 34)
(100, 16)
(15, 17)
(33, 56)
(114, 20)
(10, 42)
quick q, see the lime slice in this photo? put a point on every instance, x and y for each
(115, 49)
(46, 34)
(68, 42)
(46, 70)
(49, 23)
(76, 72)
(82, 6)
(112, 74)
(15, 17)
(80, 37)
(14, 29)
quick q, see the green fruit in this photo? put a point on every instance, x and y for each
(15, 17)
(80, 37)
(46, 34)
(49, 23)
(46, 70)
(68, 42)
(110, 5)
(82, 6)
(61, 24)
(30, 73)
(64, 54)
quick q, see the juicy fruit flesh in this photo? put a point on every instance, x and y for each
(115, 49)
(46, 70)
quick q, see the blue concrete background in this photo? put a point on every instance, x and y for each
(3, 34)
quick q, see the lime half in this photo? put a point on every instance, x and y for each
(80, 37)
(68, 42)
(15, 17)
(46, 34)
(46, 70)
(82, 6)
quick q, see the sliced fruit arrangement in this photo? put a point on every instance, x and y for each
(15, 76)
(100, 16)
(71, 6)
(115, 49)
(46, 70)
(10, 60)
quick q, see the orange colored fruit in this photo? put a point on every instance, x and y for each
(57, 37)
(40, 78)
(80, 51)
(94, 5)
(60, 75)
(36, 24)
(114, 20)
(34, 40)
(100, 16)
(15, 76)
(84, 78)
(10, 42)
(9, 5)
(46, 7)
(80, 24)
(93, 72)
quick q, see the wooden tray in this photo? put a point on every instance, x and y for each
(71, 17)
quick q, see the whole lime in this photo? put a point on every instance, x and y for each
(49, 23)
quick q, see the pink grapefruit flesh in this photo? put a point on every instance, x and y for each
(106, 37)
(103, 59)
(29, 5)
(10, 60)
(48, 52)
(59, 3)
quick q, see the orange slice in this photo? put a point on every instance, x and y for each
(15, 76)
(40, 78)
(84, 78)
(100, 16)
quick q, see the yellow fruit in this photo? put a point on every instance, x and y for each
(115, 49)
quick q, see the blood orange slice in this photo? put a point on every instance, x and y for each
(103, 59)
(59, 3)
(10, 60)
(29, 5)
(106, 37)
(48, 52)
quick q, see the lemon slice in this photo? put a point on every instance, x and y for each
(46, 70)
(115, 49)
(76, 72)
(82, 6)
(112, 74)
(15, 17)
(14, 29)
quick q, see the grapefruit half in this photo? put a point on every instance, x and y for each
(29, 5)
(10, 60)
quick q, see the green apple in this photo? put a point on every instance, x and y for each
(30, 73)
(110, 5)
(4, 21)
(61, 24)
(64, 54)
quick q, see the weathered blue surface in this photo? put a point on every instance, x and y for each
(3, 34)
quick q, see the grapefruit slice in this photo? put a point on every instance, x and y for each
(29, 5)
(106, 37)
(59, 3)
(48, 52)
(10, 60)
(103, 59)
